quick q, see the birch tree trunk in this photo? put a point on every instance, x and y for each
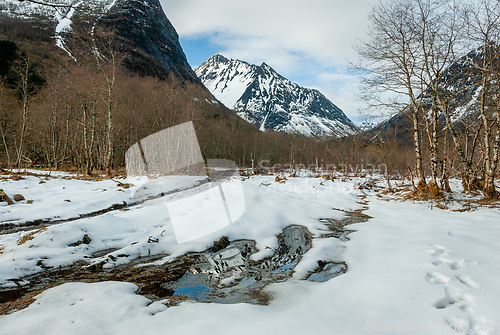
(25, 96)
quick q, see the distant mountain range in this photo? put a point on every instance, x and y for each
(365, 126)
(267, 100)
(460, 81)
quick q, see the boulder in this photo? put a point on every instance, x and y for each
(5, 198)
(86, 239)
(18, 197)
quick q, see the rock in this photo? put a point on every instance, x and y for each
(29, 202)
(221, 244)
(5, 198)
(18, 197)
(86, 239)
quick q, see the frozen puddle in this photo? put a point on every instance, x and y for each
(222, 274)
(230, 276)
(329, 271)
(225, 276)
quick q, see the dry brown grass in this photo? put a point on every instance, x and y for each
(462, 210)
(441, 206)
(30, 236)
(280, 179)
(18, 304)
(176, 300)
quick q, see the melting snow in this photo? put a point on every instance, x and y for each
(411, 269)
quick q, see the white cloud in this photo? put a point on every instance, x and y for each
(324, 29)
(341, 89)
(305, 39)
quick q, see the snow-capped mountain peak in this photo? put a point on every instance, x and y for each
(266, 99)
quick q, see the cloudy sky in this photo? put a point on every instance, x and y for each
(309, 42)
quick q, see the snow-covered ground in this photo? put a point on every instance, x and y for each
(270, 207)
(61, 196)
(412, 268)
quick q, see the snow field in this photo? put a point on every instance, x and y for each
(411, 270)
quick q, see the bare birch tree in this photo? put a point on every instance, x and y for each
(390, 61)
(25, 99)
(440, 28)
(100, 49)
(107, 57)
(484, 29)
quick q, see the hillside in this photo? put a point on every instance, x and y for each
(145, 34)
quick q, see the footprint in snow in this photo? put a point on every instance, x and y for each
(437, 250)
(465, 280)
(458, 287)
(454, 264)
(454, 296)
(443, 257)
(437, 278)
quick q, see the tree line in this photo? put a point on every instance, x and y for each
(83, 111)
(438, 62)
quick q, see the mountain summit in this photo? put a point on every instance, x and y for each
(267, 100)
(146, 34)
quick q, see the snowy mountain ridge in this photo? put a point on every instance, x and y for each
(29, 10)
(267, 100)
(461, 81)
(148, 37)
